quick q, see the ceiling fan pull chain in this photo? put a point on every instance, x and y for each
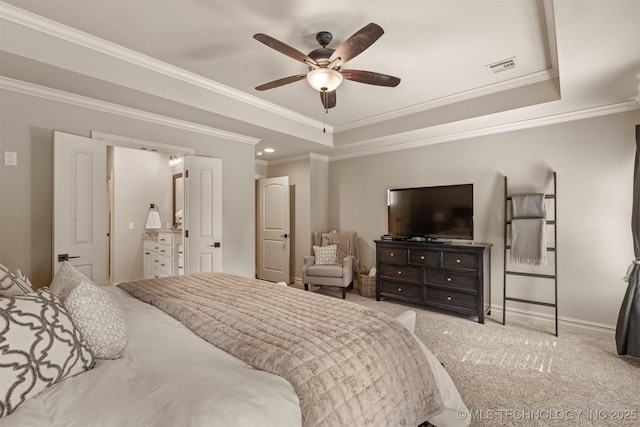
(326, 110)
(324, 122)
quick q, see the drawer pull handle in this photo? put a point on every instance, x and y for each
(421, 256)
(449, 298)
(458, 261)
(448, 279)
(399, 273)
(392, 254)
(399, 289)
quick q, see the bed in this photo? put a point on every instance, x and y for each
(170, 374)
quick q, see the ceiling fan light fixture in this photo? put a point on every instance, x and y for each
(324, 79)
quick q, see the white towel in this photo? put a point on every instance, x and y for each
(527, 206)
(529, 241)
(153, 220)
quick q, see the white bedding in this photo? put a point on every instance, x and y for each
(170, 377)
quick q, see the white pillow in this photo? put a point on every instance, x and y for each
(65, 280)
(13, 282)
(99, 318)
(326, 255)
(39, 347)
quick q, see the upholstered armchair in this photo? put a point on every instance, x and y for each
(334, 262)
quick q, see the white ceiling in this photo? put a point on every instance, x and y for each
(572, 58)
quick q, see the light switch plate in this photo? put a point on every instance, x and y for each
(10, 158)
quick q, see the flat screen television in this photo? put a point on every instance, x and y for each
(440, 212)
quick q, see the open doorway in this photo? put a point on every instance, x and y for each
(137, 179)
(87, 179)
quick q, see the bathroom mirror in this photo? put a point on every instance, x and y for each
(178, 200)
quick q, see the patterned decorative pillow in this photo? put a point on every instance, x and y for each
(13, 282)
(326, 255)
(39, 347)
(65, 280)
(99, 318)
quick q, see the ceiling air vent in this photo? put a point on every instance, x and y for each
(504, 65)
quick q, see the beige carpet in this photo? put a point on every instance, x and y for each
(521, 374)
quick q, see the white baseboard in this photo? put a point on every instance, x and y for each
(546, 319)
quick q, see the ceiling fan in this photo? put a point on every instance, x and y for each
(325, 64)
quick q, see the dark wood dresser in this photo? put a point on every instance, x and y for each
(453, 277)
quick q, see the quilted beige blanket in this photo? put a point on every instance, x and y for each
(349, 365)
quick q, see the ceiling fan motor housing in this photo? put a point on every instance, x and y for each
(324, 38)
(321, 56)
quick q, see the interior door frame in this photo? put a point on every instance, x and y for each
(140, 144)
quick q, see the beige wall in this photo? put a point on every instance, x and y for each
(26, 125)
(593, 159)
(319, 212)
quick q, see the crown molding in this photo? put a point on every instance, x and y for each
(413, 139)
(539, 77)
(321, 157)
(128, 142)
(55, 29)
(306, 156)
(108, 107)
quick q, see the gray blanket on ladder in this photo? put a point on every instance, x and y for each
(528, 229)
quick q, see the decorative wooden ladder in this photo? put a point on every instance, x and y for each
(554, 249)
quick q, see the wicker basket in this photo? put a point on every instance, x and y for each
(367, 286)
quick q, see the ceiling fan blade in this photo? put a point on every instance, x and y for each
(370, 78)
(356, 44)
(281, 82)
(328, 99)
(284, 48)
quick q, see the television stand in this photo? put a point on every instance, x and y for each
(453, 277)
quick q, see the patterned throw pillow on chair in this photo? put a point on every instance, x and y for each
(39, 347)
(13, 282)
(326, 255)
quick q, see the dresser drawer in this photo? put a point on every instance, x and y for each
(405, 290)
(452, 279)
(164, 250)
(164, 266)
(149, 245)
(460, 260)
(402, 272)
(452, 298)
(394, 255)
(423, 257)
(165, 238)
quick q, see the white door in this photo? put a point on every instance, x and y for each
(80, 205)
(274, 229)
(203, 216)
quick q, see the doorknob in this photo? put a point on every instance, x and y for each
(285, 235)
(215, 245)
(65, 257)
